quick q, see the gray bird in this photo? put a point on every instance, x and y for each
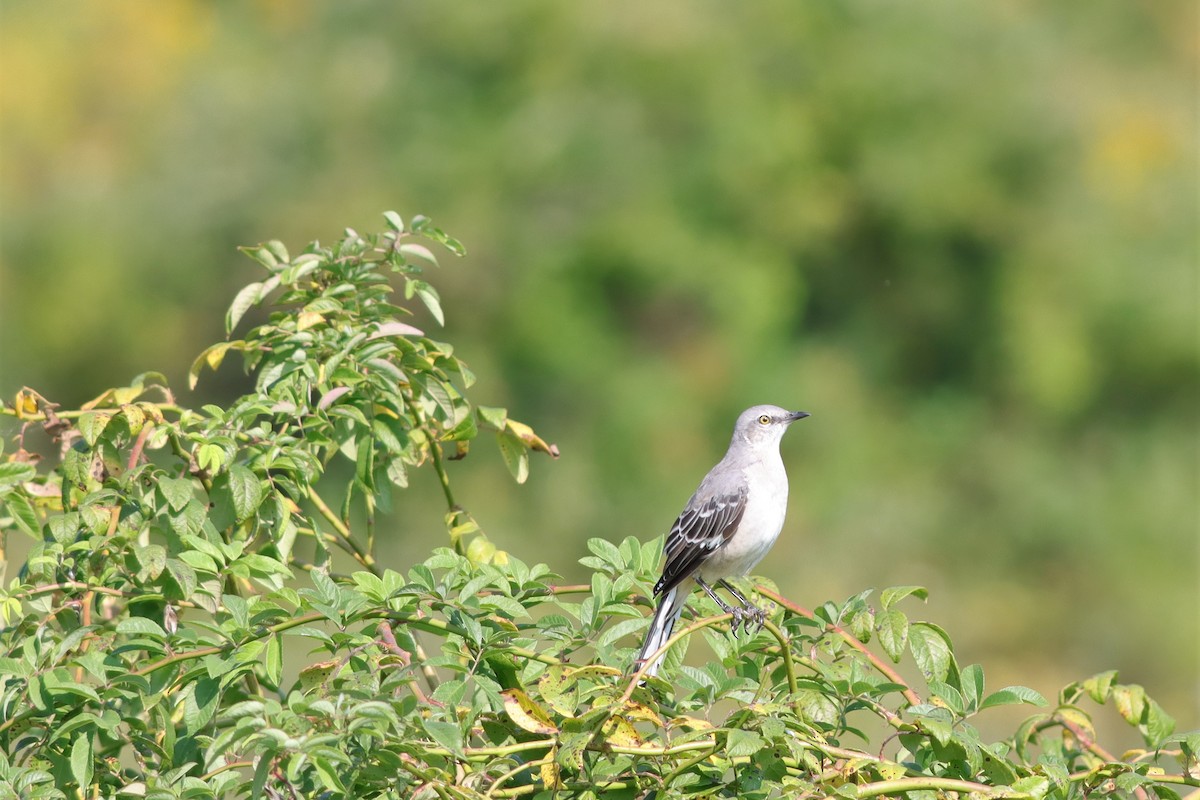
(726, 527)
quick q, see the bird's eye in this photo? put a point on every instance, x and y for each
(764, 420)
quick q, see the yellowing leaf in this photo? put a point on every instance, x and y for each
(637, 712)
(620, 732)
(315, 674)
(551, 777)
(530, 439)
(526, 714)
(25, 404)
(307, 319)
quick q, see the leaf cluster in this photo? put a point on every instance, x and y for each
(179, 627)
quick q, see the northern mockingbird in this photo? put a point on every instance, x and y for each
(727, 526)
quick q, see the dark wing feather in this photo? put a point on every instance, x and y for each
(699, 531)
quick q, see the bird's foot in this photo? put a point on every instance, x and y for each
(744, 616)
(756, 615)
(747, 615)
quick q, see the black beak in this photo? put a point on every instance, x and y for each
(795, 415)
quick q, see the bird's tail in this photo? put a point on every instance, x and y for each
(670, 606)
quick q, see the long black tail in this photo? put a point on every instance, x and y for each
(670, 606)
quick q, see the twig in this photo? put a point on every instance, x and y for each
(885, 668)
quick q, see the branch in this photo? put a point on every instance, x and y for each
(881, 665)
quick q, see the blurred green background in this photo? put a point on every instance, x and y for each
(962, 235)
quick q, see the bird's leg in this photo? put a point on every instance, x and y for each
(739, 614)
(752, 611)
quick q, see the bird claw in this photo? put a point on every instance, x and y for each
(743, 616)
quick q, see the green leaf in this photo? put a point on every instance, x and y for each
(1012, 695)
(948, 695)
(23, 513)
(429, 297)
(743, 743)
(972, 684)
(328, 775)
(862, 624)
(930, 647)
(394, 221)
(92, 424)
(274, 659)
(447, 734)
(1099, 685)
(135, 626)
(889, 597)
(81, 761)
(242, 302)
(246, 491)
(516, 457)
(14, 472)
(176, 491)
(418, 252)
(492, 417)
(1036, 786)
(606, 550)
(1158, 725)
(1130, 700)
(893, 633)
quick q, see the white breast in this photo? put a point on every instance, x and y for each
(766, 507)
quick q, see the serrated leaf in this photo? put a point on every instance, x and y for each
(606, 550)
(131, 626)
(1012, 695)
(971, 682)
(81, 761)
(176, 491)
(246, 491)
(889, 597)
(274, 660)
(930, 648)
(494, 418)
(447, 734)
(1036, 786)
(92, 424)
(23, 513)
(620, 732)
(1158, 725)
(1130, 700)
(571, 746)
(743, 743)
(893, 633)
(14, 472)
(1099, 685)
(862, 625)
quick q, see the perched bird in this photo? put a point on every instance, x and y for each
(727, 526)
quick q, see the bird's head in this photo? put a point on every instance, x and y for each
(765, 424)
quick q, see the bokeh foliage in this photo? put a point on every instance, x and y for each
(962, 235)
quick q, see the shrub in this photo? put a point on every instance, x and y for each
(182, 560)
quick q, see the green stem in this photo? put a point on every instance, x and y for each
(699, 624)
(785, 646)
(429, 624)
(901, 785)
(343, 536)
(851, 639)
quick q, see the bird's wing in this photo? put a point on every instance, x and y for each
(703, 527)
